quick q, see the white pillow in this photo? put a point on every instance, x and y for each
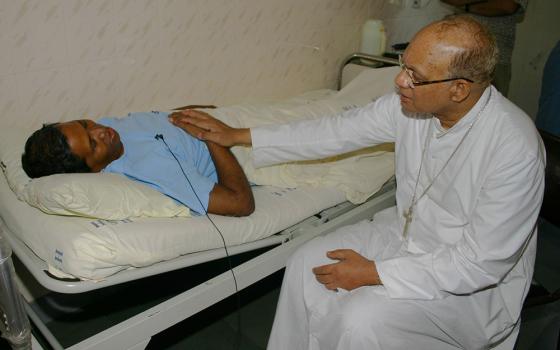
(102, 196)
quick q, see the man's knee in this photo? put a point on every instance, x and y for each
(364, 317)
(309, 251)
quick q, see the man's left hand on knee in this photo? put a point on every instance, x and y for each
(350, 272)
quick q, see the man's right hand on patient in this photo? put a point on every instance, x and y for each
(175, 118)
(208, 128)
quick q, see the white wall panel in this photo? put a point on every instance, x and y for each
(64, 59)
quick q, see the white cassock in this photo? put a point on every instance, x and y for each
(459, 278)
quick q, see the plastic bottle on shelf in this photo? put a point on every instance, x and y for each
(373, 38)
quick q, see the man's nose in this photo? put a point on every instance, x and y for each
(402, 80)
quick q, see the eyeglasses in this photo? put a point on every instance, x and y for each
(413, 82)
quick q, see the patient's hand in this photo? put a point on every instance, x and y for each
(350, 272)
(205, 127)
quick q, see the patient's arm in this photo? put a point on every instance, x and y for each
(232, 194)
(209, 128)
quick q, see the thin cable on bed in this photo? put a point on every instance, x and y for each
(238, 340)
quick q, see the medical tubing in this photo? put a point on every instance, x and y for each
(14, 324)
(161, 138)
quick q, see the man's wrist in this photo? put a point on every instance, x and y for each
(242, 136)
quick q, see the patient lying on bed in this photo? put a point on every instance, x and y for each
(145, 147)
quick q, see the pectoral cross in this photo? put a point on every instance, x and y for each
(407, 220)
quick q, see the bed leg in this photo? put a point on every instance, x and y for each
(14, 323)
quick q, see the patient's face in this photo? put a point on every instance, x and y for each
(96, 144)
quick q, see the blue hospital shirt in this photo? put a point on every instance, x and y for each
(148, 160)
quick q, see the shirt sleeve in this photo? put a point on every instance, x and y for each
(191, 188)
(323, 137)
(184, 183)
(492, 243)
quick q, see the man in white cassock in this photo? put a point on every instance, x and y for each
(450, 265)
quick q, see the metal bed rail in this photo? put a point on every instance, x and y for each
(359, 59)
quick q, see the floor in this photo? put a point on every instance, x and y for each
(253, 309)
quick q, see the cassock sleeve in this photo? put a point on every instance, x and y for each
(493, 241)
(323, 137)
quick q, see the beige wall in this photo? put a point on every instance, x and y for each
(63, 59)
(402, 20)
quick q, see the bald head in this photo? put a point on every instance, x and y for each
(468, 46)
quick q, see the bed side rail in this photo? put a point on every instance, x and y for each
(362, 59)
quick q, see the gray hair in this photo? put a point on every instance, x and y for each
(477, 61)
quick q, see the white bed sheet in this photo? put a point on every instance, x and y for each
(95, 249)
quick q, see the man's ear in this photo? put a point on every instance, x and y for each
(460, 90)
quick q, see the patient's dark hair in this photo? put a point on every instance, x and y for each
(47, 152)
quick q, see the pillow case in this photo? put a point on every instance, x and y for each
(100, 195)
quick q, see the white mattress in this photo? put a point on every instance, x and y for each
(95, 249)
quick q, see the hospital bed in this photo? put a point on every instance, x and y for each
(73, 255)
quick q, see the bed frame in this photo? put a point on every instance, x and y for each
(136, 332)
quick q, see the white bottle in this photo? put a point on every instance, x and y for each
(373, 38)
